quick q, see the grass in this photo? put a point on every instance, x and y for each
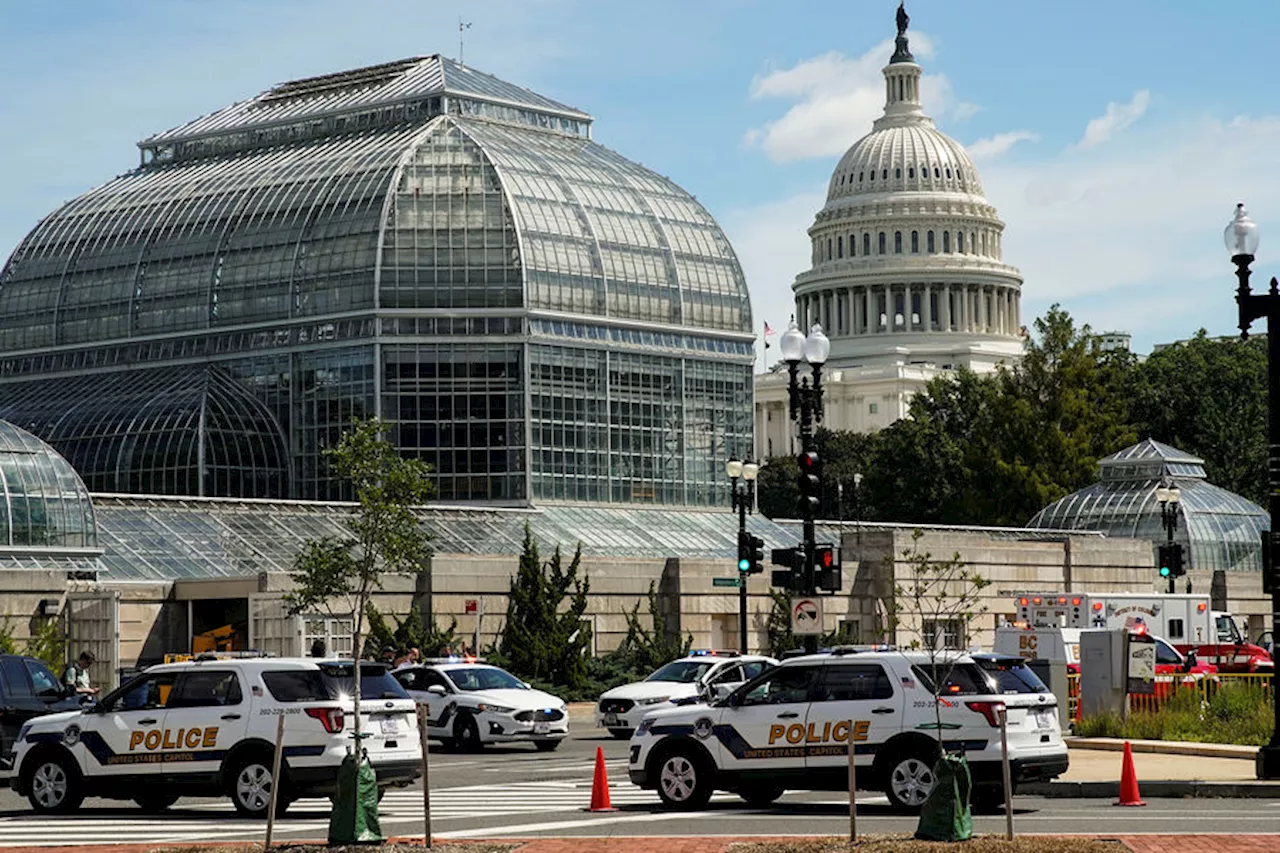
(1235, 713)
(900, 844)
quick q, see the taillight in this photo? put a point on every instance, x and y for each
(990, 710)
(332, 718)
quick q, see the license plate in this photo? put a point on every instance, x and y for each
(610, 719)
(541, 728)
(390, 725)
(1044, 718)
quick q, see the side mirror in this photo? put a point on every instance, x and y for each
(720, 691)
(436, 689)
(1190, 662)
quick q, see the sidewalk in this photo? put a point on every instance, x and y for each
(1135, 843)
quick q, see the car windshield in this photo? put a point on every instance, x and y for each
(484, 678)
(375, 681)
(1013, 676)
(683, 671)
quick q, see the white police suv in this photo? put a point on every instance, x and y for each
(621, 709)
(790, 727)
(208, 727)
(470, 704)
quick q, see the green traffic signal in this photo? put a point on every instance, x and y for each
(744, 565)
(1164, 571)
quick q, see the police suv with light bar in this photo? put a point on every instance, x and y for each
(790, 729)
(208, 728)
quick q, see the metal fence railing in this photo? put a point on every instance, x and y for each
(1170, 686)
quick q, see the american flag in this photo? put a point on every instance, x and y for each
(768, 333)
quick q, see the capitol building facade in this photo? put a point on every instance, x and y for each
(907, 276)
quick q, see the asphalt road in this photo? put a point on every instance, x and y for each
(518, 792)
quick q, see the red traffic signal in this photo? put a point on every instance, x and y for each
(808, 462)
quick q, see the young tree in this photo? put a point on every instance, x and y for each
(540, 639)
(384, 536)
(934, 604)
(645, 650)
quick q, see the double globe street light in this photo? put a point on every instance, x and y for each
(806, 408)
(1241, 238)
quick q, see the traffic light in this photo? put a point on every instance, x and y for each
(1176, 568)
(755, 556)
(791, 577)
(826, 568)
(810, 484)
(1164, 560)
(744, 558)
(1270, 583)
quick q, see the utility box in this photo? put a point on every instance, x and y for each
(1104, 657)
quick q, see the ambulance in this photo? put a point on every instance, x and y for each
(1187, 622)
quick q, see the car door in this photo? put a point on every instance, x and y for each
(51, 693)
(848, 691)
(125, 733)
(763, 723)
(18, 702)
(440, 708)
(206, 714)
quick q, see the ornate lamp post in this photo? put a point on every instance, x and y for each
(1241, 237)
(806, 409)
(743, 499)
(1169, 496)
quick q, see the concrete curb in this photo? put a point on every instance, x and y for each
(1165, 747)
(1162, 789)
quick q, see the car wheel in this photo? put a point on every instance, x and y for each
(53, 785)
(621, 734)
(546, 745)
(909, 780)
(466, 734)
(759, 795)
(684, 780)
(250, 786)
(155, 803)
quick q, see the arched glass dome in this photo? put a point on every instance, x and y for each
(1217, 528)
(43, 502)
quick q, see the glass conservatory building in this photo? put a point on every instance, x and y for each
(540, 318)
(1218, 529)
(44, 506)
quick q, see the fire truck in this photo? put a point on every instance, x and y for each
(1186, 621)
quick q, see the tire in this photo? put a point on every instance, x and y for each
(621, 734)
(53, 785)
(466, 734)
(155, 803)
(759, 794)
(909, 778)
(249, 786)
(546, 745)
(684, 779)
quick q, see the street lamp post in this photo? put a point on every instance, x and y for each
(806, 410)
(1241, 237)
(1169, 497)
(743, 498)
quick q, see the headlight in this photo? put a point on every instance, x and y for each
(656, 700)
(645, 725)
(494, 709)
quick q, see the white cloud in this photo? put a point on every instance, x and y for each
(1116, 119)
(837, 98)
(991, 147)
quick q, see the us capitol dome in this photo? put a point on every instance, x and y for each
(907, 276)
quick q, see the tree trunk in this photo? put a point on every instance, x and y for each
(355, 669)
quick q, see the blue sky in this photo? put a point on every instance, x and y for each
(1114, 139)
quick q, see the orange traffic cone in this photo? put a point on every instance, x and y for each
(600, 787)
(1129, 795)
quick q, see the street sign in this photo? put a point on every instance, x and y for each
(806, 615)
(470, 605)
(724, 582)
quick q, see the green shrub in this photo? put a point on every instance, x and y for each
(1233, 713)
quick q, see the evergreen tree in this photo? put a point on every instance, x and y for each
(543, 638)
(645, 650)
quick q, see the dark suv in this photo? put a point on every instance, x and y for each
(28, 689)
